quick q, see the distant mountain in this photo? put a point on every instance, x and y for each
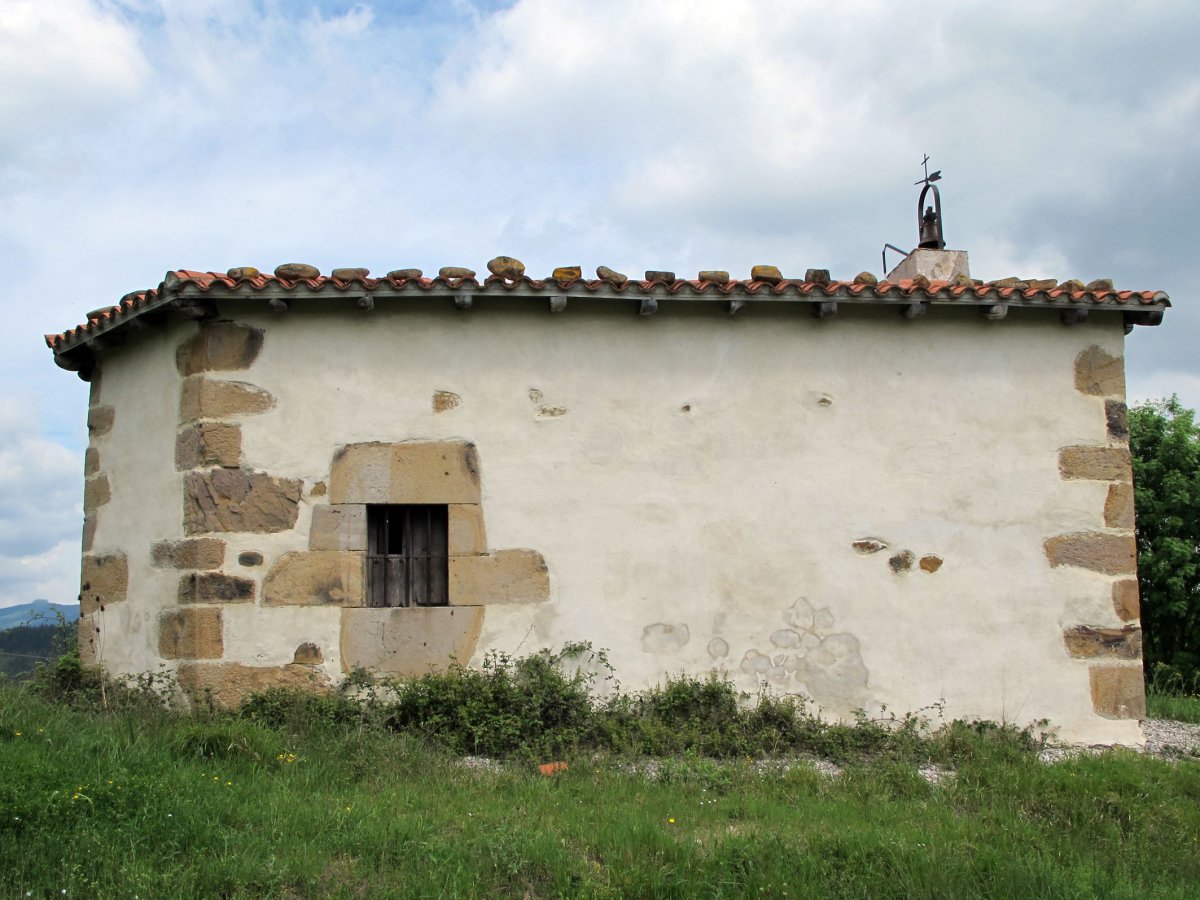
(39, 612)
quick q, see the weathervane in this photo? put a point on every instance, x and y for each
(929, 223)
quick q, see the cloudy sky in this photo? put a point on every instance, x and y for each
(138, 136)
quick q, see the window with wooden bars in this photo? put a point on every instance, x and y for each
(407, 562)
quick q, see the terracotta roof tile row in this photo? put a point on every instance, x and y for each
(179, 284)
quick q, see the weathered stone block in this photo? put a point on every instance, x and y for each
(1099, 373)
(250, 558)
(1125, 600)
(102, 580)
(1118, 507)
(308, 654)
(769, 274)
(215, 587)
(219, 346)
(89, 532)
(506, 576)
(1118, 692)
(465, 535)
(342, 527)
(1095, 463)
(445, 400)
(208, 398)
(88, 640)
(239, 500)
(91, 461)
(228, 684)
(96, 493)
(410, 472)
(1086, 642)
(315, 578)
(1116, 417)
(409, 641)
(193, 632)
(100, 420)
(1109, 554)
(208, 444)
(94, 388)
(192, 553)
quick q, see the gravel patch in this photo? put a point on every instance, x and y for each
(1170, 739)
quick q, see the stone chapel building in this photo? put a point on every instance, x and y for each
(872, 493)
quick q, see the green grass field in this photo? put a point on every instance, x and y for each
(143, 803)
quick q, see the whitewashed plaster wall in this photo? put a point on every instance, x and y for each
(695, 483)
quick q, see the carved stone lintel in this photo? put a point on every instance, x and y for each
(648, 306)
(824, 309)
(463, 300)
(557, 303)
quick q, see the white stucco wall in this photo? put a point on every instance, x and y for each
(707, 471)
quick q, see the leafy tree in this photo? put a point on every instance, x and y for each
(1165, 441)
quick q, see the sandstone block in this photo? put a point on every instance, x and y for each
(91, 461)
(1118, 507)
(219, 346)
(222, 500)
(448, 272)
(1125, 600)
(356, 273)
(1085, 642)
(215, 587)
(192, 553)
(297, 271)
(1099, 373)
(567, 273)
(817, 276)
(1071, 285)
(1109, 554)
(411, 472)
(88, 639)
(308, 654)
(238, 273)
(769, 274)
(659, 275)
(1118, 692)
(611, 276)
(208, 398)
(1100, 284)
(100, 420)
(506, 267)
(404, 274)
(445, 400)
(865, 278)
(1095, 463)
(96, 493)
(193, 632)
(1116, 416)
(341, 527)
(315, 578)
(409, 641)
(229, 684)
(208, 444)
(506, 576)
(716, 276)
(102, 580)
(465, 535)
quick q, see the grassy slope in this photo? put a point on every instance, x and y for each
(147, 805)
